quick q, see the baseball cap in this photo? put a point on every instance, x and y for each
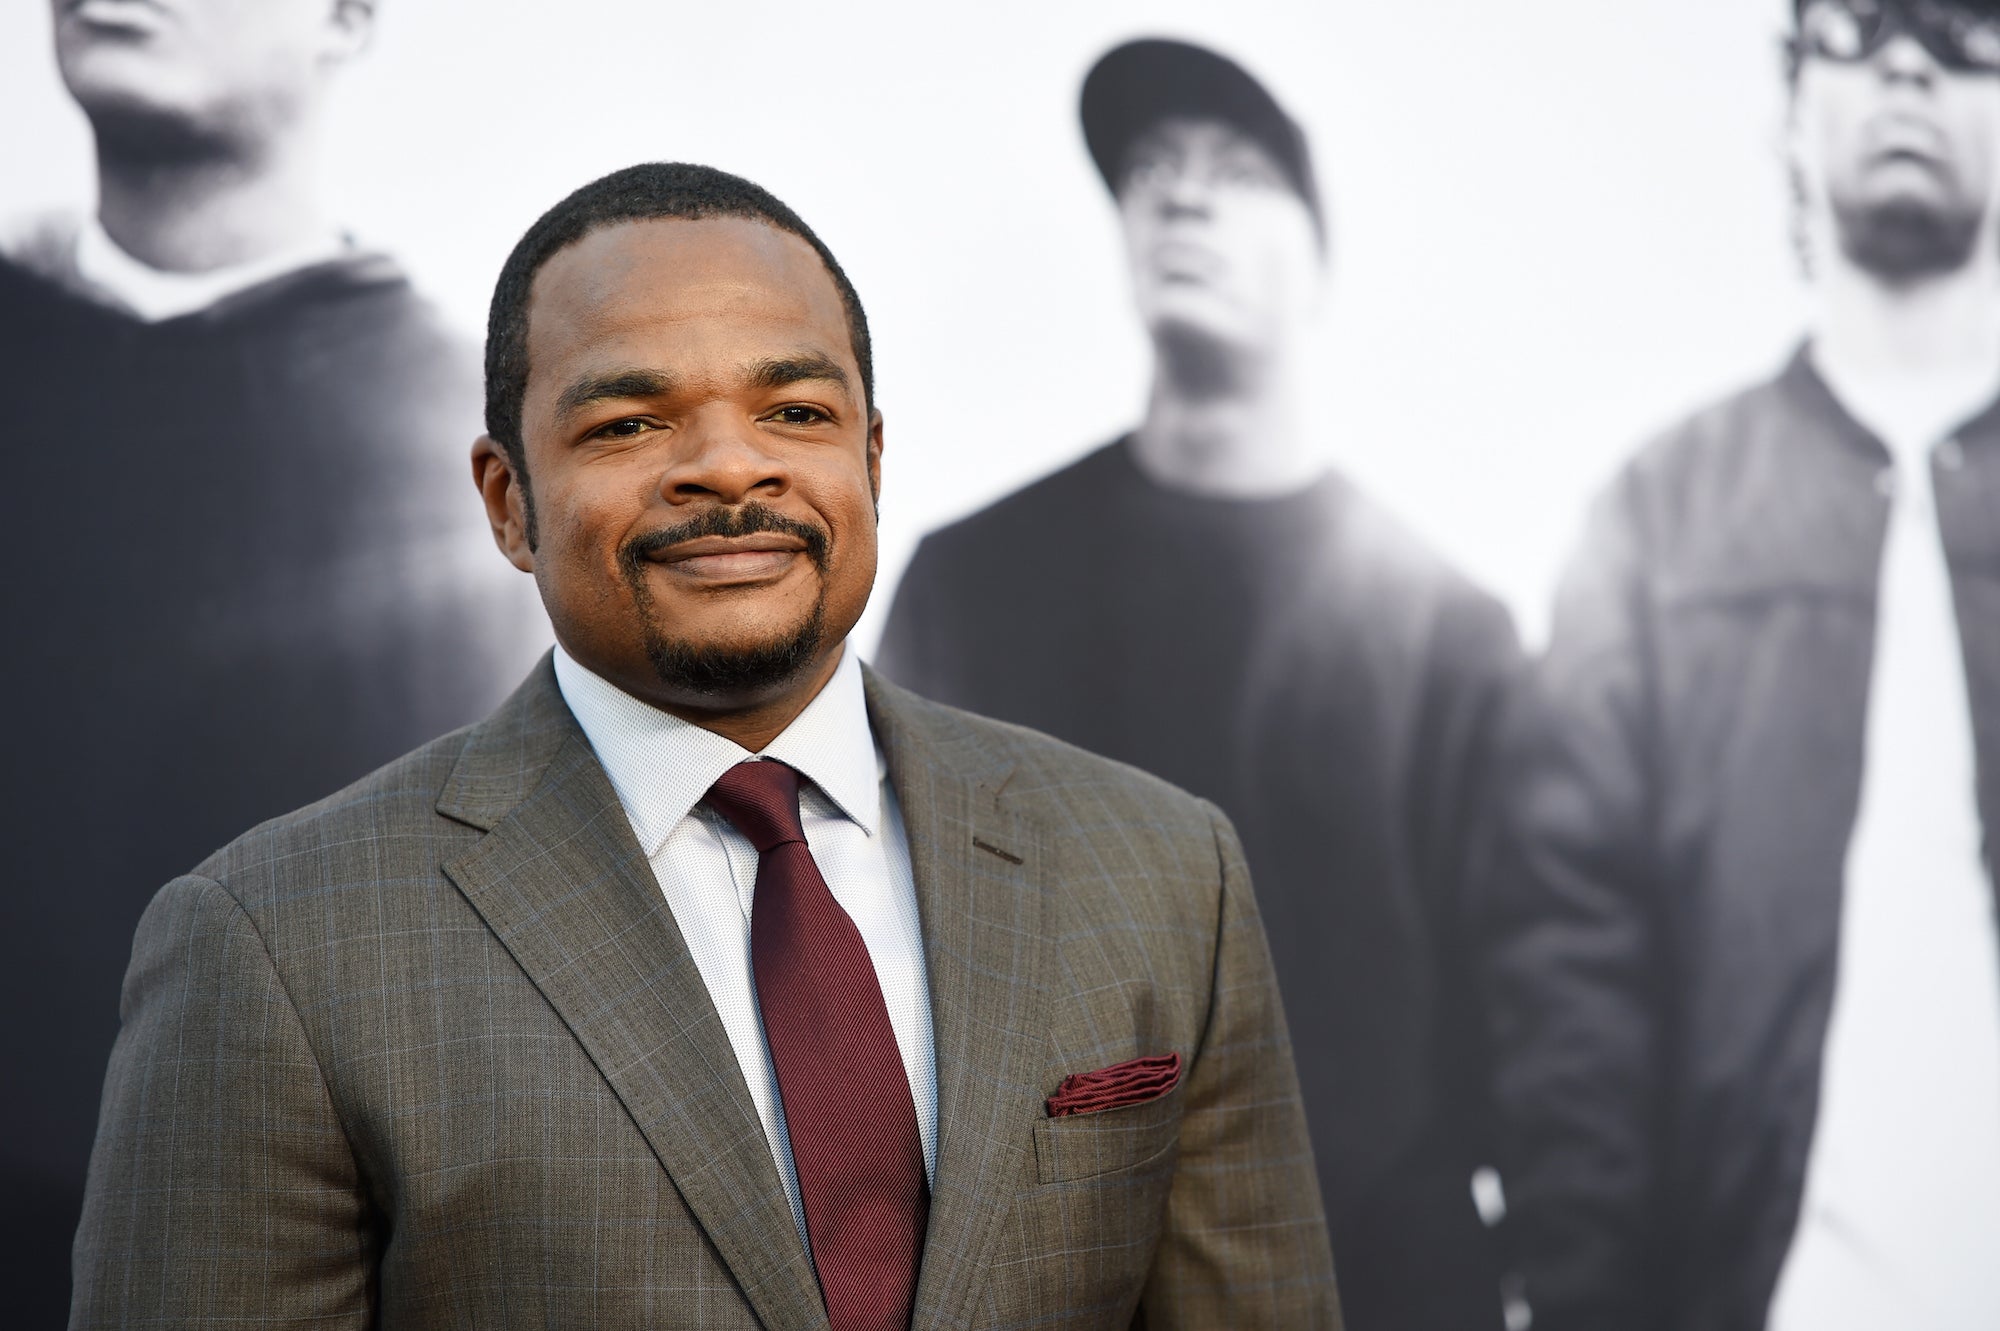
(1135, 86)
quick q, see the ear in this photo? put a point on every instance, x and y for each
(505, 493)
(350, 26)
(875, 454)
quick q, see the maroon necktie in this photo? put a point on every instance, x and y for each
(847, 1098)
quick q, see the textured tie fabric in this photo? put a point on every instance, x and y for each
(848, 1111)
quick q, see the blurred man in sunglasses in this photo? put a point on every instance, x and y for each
(1745, 978)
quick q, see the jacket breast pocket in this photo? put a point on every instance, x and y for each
(1132, 1139)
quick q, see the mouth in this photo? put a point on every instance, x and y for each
(139, 16)
(1180, 261)
(1905, 136)
(731, 560)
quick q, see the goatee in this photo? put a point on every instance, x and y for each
(685, 667)
(1906, 240)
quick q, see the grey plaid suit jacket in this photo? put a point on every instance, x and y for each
(432, 1053)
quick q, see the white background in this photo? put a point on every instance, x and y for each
(1556, 226)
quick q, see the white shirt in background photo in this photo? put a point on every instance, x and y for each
(1900, 1222)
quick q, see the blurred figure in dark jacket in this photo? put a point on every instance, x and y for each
(1203, 600)
(239, 481)
(1745, 978)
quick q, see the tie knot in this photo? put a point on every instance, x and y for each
(760, 800)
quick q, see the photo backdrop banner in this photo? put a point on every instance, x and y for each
(1552, 234)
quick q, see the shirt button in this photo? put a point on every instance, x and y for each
(1885, 482)
(1951, 455)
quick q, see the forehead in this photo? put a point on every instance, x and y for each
(669, 285)
(1185, 135)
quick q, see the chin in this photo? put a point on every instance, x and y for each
(1202, 359)
(732, 670)
(1198, 311)
(143, 113)
(1906, 236)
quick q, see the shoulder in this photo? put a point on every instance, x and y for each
(382, 828)
(365, 290)
(1372, 588)
(1071, 491)
(38, 285)
(1379, 540)
(40, 243)
(1680, 476)
(1054, 782)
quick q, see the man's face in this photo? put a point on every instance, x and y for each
(1898, 151)
(1220, 246)
(703, 466)
(212, 68)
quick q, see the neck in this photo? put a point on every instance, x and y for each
(1913, 360)
(754, 724)
(204, 210)
(1241, 440)
(1926, 328)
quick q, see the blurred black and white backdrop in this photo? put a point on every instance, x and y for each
(248, 561)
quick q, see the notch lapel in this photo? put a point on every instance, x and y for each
(562, 882)
(980, 895)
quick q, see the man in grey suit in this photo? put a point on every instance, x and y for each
(712, 981)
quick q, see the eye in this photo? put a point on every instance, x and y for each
(1980, 41)
(624, 428)
(1834, 31)
(1147, 168)
(1249, 172)
(798, 415)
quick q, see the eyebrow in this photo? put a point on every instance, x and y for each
(772, 372)
(782, 370)
(612, 384)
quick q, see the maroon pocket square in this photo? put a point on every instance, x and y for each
(1133, 1082)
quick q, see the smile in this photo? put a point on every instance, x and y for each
(116, 11)
(725, 560)
(126, 19)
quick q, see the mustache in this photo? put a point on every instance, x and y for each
(725, 522)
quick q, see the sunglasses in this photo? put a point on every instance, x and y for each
(1961, 37)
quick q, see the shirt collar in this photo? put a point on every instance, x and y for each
(156, 295)
(661, 766)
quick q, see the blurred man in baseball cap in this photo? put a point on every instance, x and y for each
(1203, 598)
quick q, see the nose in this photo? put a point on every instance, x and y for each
(1183, 193)
(1903, 59)
(721, 457)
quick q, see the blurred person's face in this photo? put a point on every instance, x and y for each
(704, 467)
(202, 71)
(1896, 131)
(1222, 251)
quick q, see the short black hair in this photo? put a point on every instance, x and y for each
(646, 192)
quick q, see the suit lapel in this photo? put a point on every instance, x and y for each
(561, 881)
(979, 896)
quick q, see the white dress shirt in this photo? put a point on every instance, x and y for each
(1900, 1221)
(662, 766)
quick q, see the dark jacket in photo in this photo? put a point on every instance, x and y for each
(1680, 782)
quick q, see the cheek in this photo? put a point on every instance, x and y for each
(848, 508)
(1283, 264)
(1981, 137)
(262, 53)
(1820, 126)
(579, 539)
